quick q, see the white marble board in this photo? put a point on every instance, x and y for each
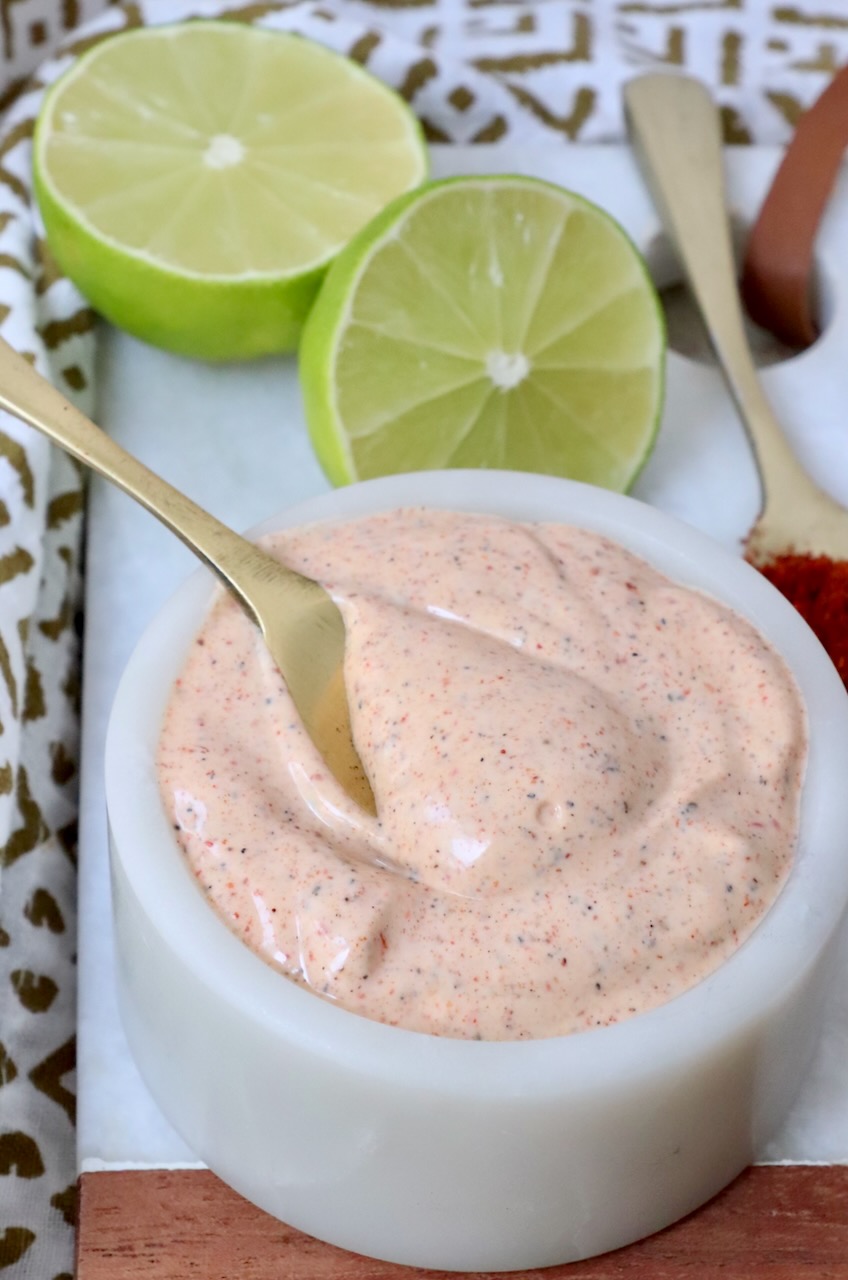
(234, 438)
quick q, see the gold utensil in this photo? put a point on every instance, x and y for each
(674, 128)
(302, 626)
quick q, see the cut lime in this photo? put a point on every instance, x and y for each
(486, 322)
(195, 180)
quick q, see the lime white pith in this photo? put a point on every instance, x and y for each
(486, 322)
(195, 180)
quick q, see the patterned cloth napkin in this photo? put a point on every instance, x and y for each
(475, 71)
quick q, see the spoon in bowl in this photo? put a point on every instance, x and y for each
(300, 622)
(674, 127)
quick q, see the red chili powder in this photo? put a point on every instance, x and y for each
(818, 588)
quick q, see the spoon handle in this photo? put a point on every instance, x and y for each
(302, 625)
(674, 127)
(237, 562)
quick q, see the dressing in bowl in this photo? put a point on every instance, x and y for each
(445, 1150)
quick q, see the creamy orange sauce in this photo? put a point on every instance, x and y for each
(587, 779)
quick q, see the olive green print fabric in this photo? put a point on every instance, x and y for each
(545, 72)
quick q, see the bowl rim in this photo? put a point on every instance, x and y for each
(779, 953)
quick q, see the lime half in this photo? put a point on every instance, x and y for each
(486, 322)
(195, 180)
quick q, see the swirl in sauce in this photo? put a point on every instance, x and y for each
(589, 776)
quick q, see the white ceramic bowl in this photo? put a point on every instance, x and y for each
(460, 1154)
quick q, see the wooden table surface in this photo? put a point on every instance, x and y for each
(775, 1222)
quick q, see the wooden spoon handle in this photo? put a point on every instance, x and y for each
(777, 282)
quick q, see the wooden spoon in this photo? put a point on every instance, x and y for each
(777, 274)
(674, 127)
(301, 624)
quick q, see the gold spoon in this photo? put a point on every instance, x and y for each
(301, 624)
(674, 127)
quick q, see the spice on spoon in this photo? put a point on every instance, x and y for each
(818, 588)
(778, 289)
(800, 538)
